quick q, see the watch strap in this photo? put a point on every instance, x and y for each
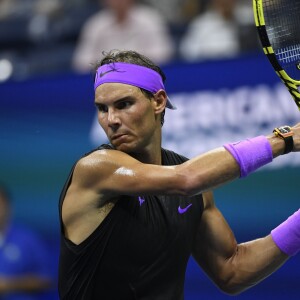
(286, 133)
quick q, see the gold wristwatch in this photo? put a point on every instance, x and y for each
(286, 133)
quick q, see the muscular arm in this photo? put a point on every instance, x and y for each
(101, 177)
(115, 173)
(232, 267)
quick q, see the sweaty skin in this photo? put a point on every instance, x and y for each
(132, 123)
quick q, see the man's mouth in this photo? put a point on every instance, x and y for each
(117, 137)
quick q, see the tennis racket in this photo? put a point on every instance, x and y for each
(278, 26)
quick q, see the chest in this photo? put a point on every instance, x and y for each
(157, 222)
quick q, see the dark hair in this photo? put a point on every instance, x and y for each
(132, 57)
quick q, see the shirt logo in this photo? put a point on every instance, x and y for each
(183, 210)
(141, 200)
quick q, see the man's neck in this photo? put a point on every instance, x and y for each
(149, 157)
(151, 153)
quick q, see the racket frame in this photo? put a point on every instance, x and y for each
(290, 83)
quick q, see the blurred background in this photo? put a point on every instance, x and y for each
(217, 76)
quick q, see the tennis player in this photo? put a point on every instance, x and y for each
(132, 213)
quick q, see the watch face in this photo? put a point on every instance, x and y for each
(285, 129)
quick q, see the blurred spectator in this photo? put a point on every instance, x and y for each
(177, 12)
(24, 272)
(50, 36)
(212, 34)
(44, 11)
(6, 8)
(38, 36)
(248, 35)
(123, 24)
(15, 8)
(58, 20)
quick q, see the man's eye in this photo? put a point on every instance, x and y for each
(101, 108)
(123, 104)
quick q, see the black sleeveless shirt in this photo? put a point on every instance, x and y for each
(140, 250)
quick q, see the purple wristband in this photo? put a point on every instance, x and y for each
(287, 235)
(251, 154)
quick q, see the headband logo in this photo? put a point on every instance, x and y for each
(113, 69)
(103, 73)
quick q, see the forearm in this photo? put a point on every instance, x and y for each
(252, 262)
(208, 171)
(221, 166)
(236, 267)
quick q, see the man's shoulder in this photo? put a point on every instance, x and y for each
(106, 146)
(171, 157)
(99, 148)
(104, 153)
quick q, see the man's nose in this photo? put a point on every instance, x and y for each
(113, 118)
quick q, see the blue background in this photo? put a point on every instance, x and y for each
(45, 127)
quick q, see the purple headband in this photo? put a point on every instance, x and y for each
(131, 74)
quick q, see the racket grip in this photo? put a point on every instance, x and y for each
(287, 235)
(251, 154)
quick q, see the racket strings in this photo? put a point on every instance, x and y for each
(282, 19)
(289, 54)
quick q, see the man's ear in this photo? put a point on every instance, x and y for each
(160, 101)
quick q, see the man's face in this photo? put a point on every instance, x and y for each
(127, 116)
